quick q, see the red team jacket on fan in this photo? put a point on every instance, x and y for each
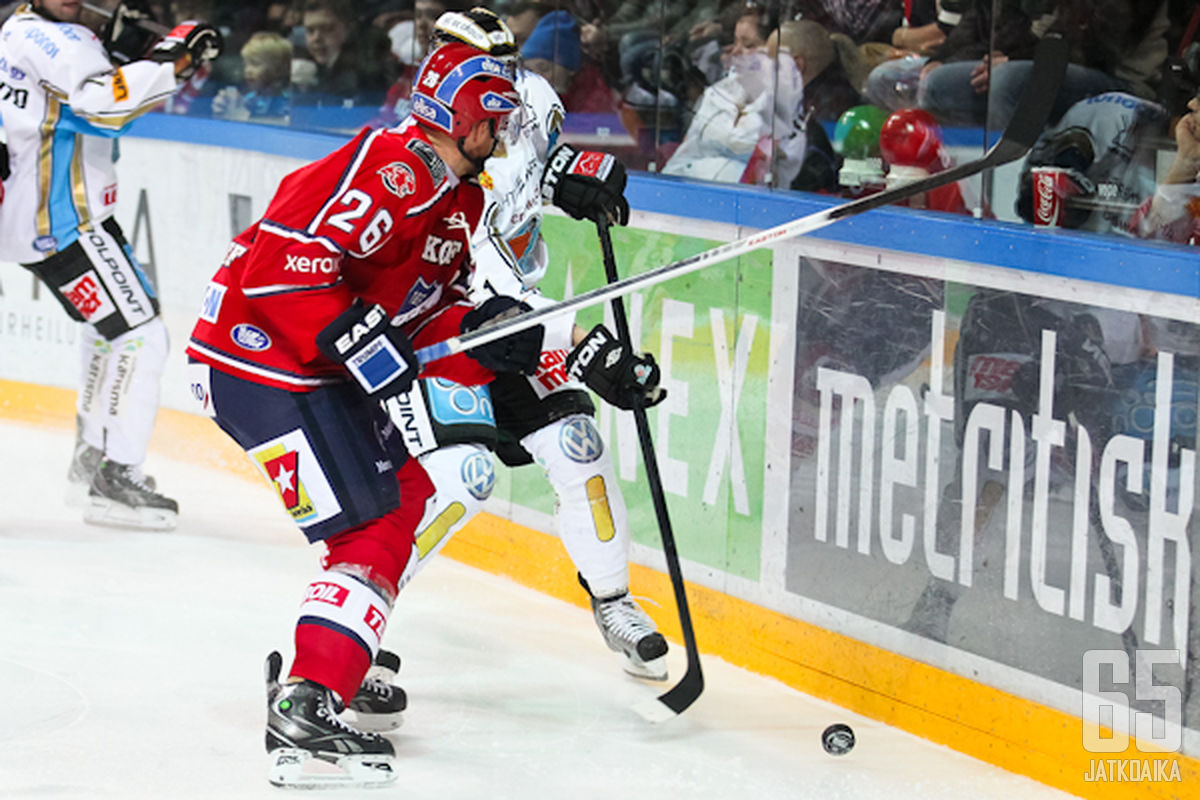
(382, 218)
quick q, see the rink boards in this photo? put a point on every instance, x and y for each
(844, 416)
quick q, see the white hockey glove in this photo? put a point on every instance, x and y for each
(622, 378)
(378, 355)
(190, 45)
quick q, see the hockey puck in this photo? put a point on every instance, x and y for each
(837, 739)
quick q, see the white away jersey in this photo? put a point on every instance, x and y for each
(510, 256)
(61, 104)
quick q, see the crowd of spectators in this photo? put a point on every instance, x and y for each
(740, 90)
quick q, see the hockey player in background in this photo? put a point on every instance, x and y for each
(310, 323)
(64, 104)
(546, 417)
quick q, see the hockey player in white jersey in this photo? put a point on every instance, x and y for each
(545, 418)
(63, 105)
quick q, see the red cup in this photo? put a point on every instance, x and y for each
(1051, 187)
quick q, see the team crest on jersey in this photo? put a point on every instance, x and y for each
(398, 178)
(292, 468)
(422, 295)
(88, 297)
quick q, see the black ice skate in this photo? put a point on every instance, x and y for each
(628, 631)
(378, 702)
(84, 464)
(310, 748)
(121, 496)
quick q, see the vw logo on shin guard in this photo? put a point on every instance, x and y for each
(580, 440)
(478, 475)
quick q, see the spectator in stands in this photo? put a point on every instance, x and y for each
(266, 76)
(1117, 45)
(349, 63)
(553, 51)
(862, 20)
(892, 83)
(522, 17)
(1173, 213)
(819, 55)
(748, 126)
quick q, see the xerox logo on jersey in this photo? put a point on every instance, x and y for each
(324, 265)
(441, 251)
(250, 337)
(90, 299)
(293, 469)
(322, 592)
(398, 179)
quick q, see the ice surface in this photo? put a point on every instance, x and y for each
(131, 666)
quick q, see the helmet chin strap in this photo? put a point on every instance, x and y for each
(478, 163)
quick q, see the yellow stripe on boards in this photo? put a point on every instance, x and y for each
(601, 512)
(1000, 728)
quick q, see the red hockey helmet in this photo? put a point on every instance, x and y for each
(911, 137)
(458, 86)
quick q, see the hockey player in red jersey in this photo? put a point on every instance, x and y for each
(309, 322)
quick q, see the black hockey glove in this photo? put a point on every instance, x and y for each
(586, 184)
(621, 378)
(125, 35)
(199, 41)
(517, 352)
(378, 355)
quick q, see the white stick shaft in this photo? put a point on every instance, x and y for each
(603, 294)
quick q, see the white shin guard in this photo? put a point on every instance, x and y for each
(119, 387)
(463, 475)
(591, 512)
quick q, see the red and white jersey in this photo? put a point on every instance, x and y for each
(383, 219)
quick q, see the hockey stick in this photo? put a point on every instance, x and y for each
(145, 24)
(1037, 99)
(689, 687)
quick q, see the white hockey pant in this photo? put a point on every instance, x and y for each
(118, 389)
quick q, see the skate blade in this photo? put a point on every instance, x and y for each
(652, 670)
(111, 514)
(293, 768)
(377, 723)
